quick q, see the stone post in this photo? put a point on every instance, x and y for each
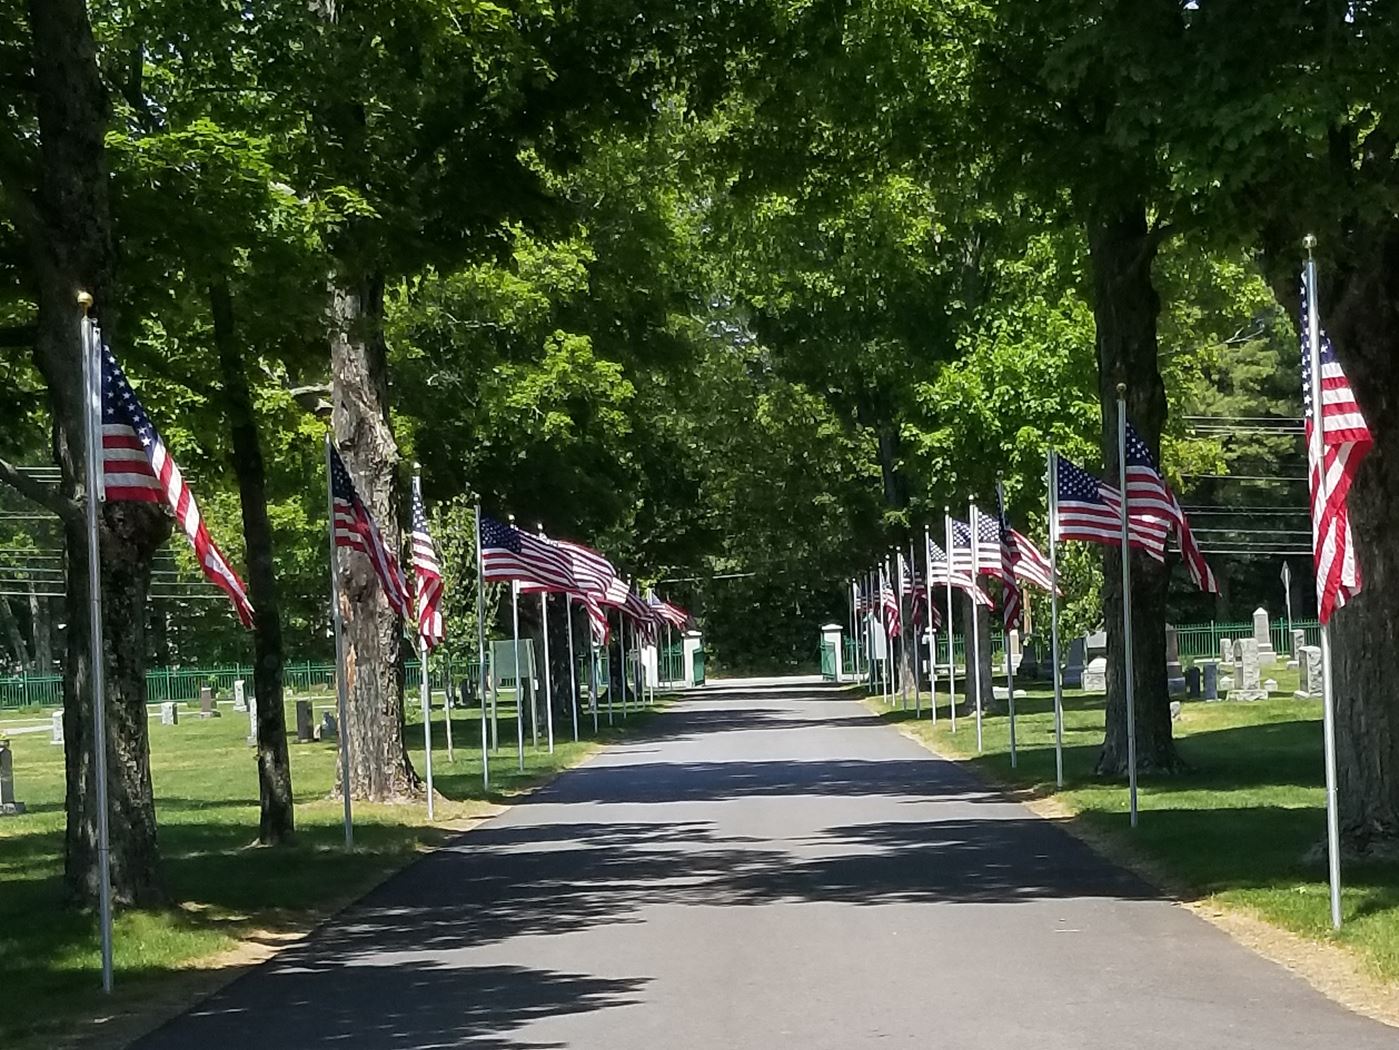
(8, 806)
(691, 643)
(1263, 637)
(833, 634)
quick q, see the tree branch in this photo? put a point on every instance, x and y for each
(37, 492)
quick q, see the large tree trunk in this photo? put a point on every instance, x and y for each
(1360, 302)
(277, 822)
(72, 250)
(14, 636)
(380, 767)
(41, 621)
(1125, 310)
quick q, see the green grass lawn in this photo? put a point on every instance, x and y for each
(223, 888)
(1236, 830)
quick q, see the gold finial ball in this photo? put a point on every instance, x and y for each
(85, 300)
(1309, 241)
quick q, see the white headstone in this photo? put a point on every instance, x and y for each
(1226, 652)
(1249, 679)
(1095, 677)
(169, 713)
(1310, 685)
(1299, 639)
(240, 695)
(1263, 637)
(252, 725)
(57, 737)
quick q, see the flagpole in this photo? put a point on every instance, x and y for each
(592, 675)
(548, 671)
(888, 638)
(338, 626)
(1328, 700)
(1010, 668)
(424, 687)
(1131, 689)
(951, 623)
(481, 675)
(932, 634)
(92, 391)
(1053, 471)
(855, 623)
(975, 618)
(519, 684)
(620, 676)
(572, 664)
(903, 628)
(912, 601)
(869, 633)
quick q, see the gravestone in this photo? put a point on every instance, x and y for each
(1263, 637)
(8, 806)
(1175, 677)
(1095, 676)
(1226, 652)
(1096, 645)
(304, 731)
(207, 709)
(1249, 680)
(1192, 682)
(327, 730)
(1073, 669)
(1310, 684)
(1175, 710)
(169, 713)
(252, 725)
(240, 695)
(1299, 639)
(1226, 682)
(1270, 685)
(57, 737)
(1209, 686)
(1017, 653)
(1030, 660)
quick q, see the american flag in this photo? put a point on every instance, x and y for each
(508, 553)
(988, 546)
(1345, 441)
(595, 576)
(913, 583)
(1154, 503)
(889, 605)
(1010, 590)
(355, 528)
(671, 614)
(137, 466)
(427, 575)
(1029, 564)
(959, 579)
(597, 619)
(642, 615)
(1090, 512)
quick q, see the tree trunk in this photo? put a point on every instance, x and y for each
(41, 619)
(381, 770)
(277, 822)
(23, 656)
(1362, 315)
(72, 250)
(977, 618)
(1125, 310)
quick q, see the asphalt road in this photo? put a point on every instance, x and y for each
(773, 869)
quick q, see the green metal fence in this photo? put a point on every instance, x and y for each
(1201, 640)
(671, 665)
(828, 661)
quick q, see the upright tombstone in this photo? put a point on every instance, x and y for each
(252, 725)
(1248, 680)
(305, 731)
(1029, 660)
(1073, 667)
(1192, 682)
(1095, 675)
(1209, 685)
(1263, 638)
(169, 713)
(1017, 654)
(1175, 677)
(240, 695)
(1310, 684)
(207, 708)
(8, 806)
(1096, 645)
(327, 730)
(1299, 641)
(57, 728)
(1226, 652)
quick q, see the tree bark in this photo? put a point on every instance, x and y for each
(72, 249)
(41, 620)
(24, 658)
(1360, 302)
(1125, 310)
(381, 770)
(978, 618)
(277, 820)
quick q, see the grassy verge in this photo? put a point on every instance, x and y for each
(1234, 832)
(224, 890)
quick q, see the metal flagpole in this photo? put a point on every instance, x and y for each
(932, 634)
(548, 671)
(338, 626)
(519, 684)
(951, 623)
(481, 675)
(975, 621)
(1053, 471)
(447, 710)
(888, 639)
(592, 676)
(424, 686)
(897, 569)
(620, 677)
(1287, 600)
(1010, 670)
(1131, 690)
(572, 664)
(913, 650)
(869, 632)
(855, 623)
(1317, 456)
(92, 391)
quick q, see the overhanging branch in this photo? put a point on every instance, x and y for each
(45, 496)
